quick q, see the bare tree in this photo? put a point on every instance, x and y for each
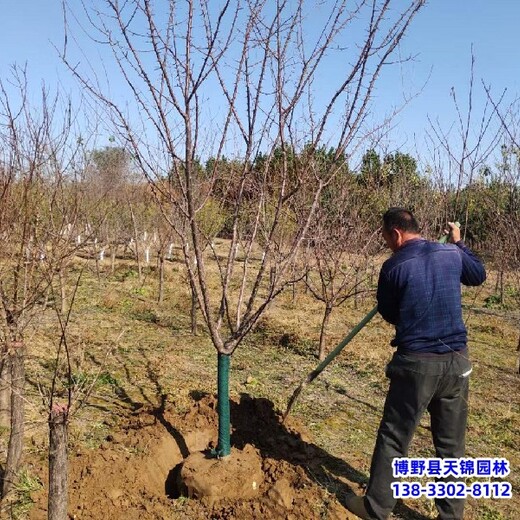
(486, 169)
(339, 252)
(506, 224)
(459, 152)
(163, 240)
(261, 64)
(109, 181)
(38, 216)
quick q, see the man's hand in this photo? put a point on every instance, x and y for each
(453, 232)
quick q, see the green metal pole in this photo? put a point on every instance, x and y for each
(319, 369)
(224, 419)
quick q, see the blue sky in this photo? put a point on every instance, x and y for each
(443, 36)
(440, 38)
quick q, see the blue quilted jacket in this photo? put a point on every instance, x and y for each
(419, 292)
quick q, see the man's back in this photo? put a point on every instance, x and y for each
(419, 292)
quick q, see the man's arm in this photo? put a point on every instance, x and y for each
(473, 271)
(386, 301)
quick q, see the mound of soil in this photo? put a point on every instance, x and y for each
(135, 473)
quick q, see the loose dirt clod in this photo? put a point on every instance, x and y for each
(238, 476)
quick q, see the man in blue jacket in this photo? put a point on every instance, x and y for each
(419, 293)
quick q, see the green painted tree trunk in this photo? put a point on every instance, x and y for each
(224, 421)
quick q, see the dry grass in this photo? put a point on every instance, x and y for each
(128, 351)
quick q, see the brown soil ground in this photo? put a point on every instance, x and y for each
(134, 474)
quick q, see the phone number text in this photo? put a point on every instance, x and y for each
(452, 489)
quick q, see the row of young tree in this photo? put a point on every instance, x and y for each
(354, 199)
(293, 205)
(60, 200)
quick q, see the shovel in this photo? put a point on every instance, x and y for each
(319, 369)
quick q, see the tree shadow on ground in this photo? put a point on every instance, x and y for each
(256, 422)
(156, 403)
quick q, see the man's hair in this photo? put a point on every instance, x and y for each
(400, 218)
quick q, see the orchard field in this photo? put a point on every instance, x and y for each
(144, 388)
(208, 189)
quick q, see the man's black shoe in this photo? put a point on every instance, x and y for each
(356, 505)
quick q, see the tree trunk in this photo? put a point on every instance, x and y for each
(63, 290)
(501, 286)
(96, 262)
(194, 306)
(161, 277)
(113, 253)
(58, 463)
(193, 313)
(15, 447)
(356, 294)
(136, 239)
(5, 391)
(224, 425)
(518, 360)
(324, 322)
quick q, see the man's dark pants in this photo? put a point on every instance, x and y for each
(439, 384)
